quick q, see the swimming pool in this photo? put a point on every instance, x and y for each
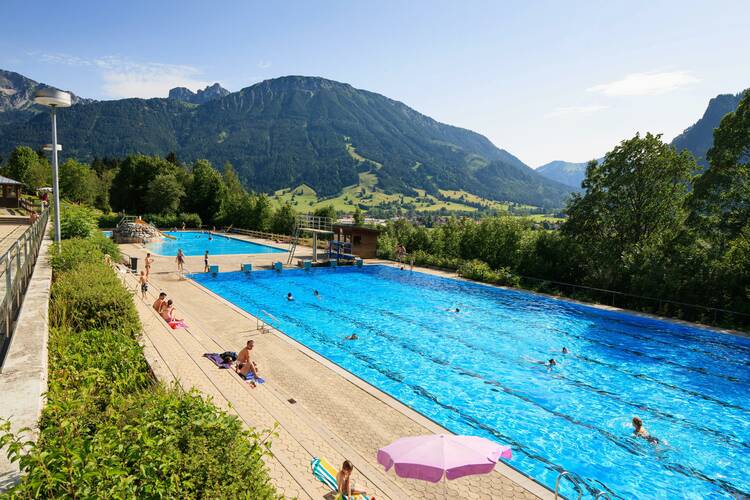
(476, 372)
(196, 243)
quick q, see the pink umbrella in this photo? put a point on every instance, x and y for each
(431, 458)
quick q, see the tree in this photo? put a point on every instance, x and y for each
(282, 221)
(25, 165)
(164, 194)
(129, 191)
(633, 200)
(78, 182)
(327, 211)
(720, 203)
(208, 191)
(358, 217)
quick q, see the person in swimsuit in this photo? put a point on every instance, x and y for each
(143, 280)
(316, 294)
(205, 262)
(168, 313)
(565, 350)
(148, 261)
(180, 262)
(353, 336)
(183, 226)
(160, 303)
(244, 364)
(640, 431)
(289, 297)
(345, 483)
(551, 364)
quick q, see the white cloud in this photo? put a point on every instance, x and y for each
(262, 64)
(638, 84)
(574, 110)
(126, 78)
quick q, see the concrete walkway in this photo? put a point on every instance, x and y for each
(320, 409)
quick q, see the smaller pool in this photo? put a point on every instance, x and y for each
(108, 234)
(197, 242)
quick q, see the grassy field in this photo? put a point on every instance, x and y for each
(366, 194)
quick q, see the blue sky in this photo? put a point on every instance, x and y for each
(544, 80)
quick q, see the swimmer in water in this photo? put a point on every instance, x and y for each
(316, 294)
(565, 350)
(289, 296)
(640, 431)
(551, 364)
(353, 336)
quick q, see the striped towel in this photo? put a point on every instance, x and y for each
(326, 474)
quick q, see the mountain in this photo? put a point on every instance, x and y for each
(17, 97)
(565, 172)
(699, 137)
(210, 93)
(299, 130)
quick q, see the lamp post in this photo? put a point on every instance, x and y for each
(54, 99)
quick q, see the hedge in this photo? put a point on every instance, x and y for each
(109, 430)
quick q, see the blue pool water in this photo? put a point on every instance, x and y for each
(476, 372)
(196, 243)
(108, 234)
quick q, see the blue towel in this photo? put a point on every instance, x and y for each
(252, 378)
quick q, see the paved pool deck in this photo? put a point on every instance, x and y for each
(318, 408)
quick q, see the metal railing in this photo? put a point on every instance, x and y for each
(16, 268)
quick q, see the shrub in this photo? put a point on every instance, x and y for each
(481, 271)
(422, 258)
(168, 221)
(91, 296)
(77, 251)
(74, 252)
(110, 220)
(77, 221)
(109, 430)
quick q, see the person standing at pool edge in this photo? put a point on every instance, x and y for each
(180, 262)
(205, 262)
(148, 261)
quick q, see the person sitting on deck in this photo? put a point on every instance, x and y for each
(345, 483)
(244, 364)
(640, 431)
(160, 302)
(168, 313)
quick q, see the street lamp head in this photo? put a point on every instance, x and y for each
(49, 96)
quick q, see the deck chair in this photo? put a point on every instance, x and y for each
(326, 474)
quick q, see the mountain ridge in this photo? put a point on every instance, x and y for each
(17, 97)
(291, 130)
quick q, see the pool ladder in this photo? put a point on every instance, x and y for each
(263, 326)
(576, 484)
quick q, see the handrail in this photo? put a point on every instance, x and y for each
(17, 267)
(260, 325)
(572, 479)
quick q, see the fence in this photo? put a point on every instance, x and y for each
(279, 238)
(653, 305)
(16, 267)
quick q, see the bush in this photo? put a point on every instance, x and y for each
(481, 271)
(422, 258)
(109, 430)
(77, 221)
(91, 296)
(168, 221)
(107, 221)
(77, 251)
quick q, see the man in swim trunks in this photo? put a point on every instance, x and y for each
(205, 262)
(160, 302)
(148, 261)
(143, 280)
(244, 364)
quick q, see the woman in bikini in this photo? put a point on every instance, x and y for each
(345, 483)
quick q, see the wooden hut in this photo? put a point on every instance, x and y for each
(11, 192)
